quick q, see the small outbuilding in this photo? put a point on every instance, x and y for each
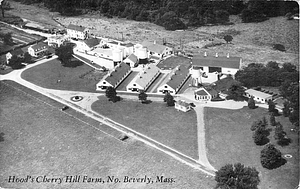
(182, 106)
(258, 96)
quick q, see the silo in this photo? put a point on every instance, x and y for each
(141, 53)
(196, 76)
(117, 55)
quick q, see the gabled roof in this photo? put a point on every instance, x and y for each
(154, 47)
(39, 46)
(212, 61)
(183, 103)
(133, 58)
(144, 77)
(75, 27)
(91, 42)
(114, 77)
(17, 52)
(206, 91)
(176, 77)
(259, 94)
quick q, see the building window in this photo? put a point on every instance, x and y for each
(104, 82)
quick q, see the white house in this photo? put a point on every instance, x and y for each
(56, 40)
(38, 49)
(258, 96)
(213, 67)
(182, 106)
(87, 44)
(157, 50)
(77, 32)
(205, 94)
(114, 77)
(144, 79)
(131, 60)
(17, 52)
(174, 80)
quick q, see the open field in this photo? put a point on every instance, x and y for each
(47, 74)
(229, 136)
(165, 124)
(41, 140)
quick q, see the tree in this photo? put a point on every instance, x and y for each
(143, 96)
(236, 92)
(15, 62)
(270, 157)
(104, 6)
(65, 54)
(251, 103)
(228, 38)
(271, 107)
(222, 16)
(259, 124)
(111, 94)
(170, 21)
(259, 137)
(169, 99)
(237, 176)
(286, 109)
(272, 120)
(27, 58)
(2, 7)
(279, 132)
(7, 38)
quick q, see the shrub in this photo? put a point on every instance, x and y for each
(251, 103)
(279, 47)
(270, 157)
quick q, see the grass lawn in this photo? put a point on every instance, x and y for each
(167, 125)
(229, 140)
(42, 140)
(74, 79)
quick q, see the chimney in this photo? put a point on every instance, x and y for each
(205, 54)
(227, 55)
(217, 55)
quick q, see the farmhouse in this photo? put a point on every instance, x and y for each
(157, 50)
(38, 49)
(205, 94)
(182, 106)
(144, 79)
(215, 66)
(17, 52)
(77, 32)
(258, 96)
(56, 41)
(174, 80)
(131, 60)
(114, 77)
(88, 44)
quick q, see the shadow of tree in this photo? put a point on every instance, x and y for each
(1, 137)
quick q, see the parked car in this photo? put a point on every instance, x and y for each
(65, 108)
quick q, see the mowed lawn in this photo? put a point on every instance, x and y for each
(42, 140)
(229, 140)
(47, 75)
(167, 125)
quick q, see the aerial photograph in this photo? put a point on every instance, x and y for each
(157, 94)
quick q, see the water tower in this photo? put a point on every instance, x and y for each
(117, 55)
(196, 74)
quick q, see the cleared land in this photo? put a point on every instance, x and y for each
(229, 136)
(19, 37)
(165, 124)
(80, 78)
(55, 144)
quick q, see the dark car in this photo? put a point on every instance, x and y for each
(65, 108)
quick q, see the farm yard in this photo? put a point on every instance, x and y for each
(228, 135)
(19, 37)
(167, 125)
(55, 144)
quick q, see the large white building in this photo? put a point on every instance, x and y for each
(77, 32)
(157, 50)
(213, 67)
(56, 40)
(258, 96)
(38, 49)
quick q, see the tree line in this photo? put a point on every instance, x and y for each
(175, 14)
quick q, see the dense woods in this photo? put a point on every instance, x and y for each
(174, 14)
